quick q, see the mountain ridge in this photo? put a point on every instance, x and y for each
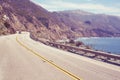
(24, 15)
(101, 25)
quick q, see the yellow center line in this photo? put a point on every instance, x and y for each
(74, 77)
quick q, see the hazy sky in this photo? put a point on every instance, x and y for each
(96, 6)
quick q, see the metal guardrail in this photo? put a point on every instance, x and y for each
(104, 56)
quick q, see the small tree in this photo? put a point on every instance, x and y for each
(79, 43)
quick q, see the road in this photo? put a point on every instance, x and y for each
(20, 63)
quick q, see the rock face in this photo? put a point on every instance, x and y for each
(24, 15)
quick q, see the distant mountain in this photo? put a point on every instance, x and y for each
(24, 15)
(89, 24)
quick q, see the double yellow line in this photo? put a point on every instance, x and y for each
(74, 77)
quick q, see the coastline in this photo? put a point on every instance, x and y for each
(106, 44)
(90, 53)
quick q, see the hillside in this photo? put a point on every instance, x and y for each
(89, 24)
(24, 15)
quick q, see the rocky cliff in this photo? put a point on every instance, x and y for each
(23, 15)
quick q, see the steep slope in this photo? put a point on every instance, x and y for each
(89, 24)
(24, 15)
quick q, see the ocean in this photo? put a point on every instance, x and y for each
(106, 44)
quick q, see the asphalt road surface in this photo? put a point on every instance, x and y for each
(22, 58)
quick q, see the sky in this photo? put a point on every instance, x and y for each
(111, 7)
